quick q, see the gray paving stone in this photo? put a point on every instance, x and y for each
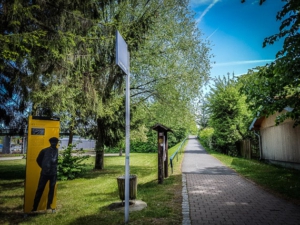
(217, 195)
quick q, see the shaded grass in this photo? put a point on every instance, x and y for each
(283, 182)
(86, 200)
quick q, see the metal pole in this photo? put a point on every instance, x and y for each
(127, 149)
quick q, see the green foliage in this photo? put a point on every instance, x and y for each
(70, 166)
(266, 95)
(143, 147)
(114, 150)
(206, 135)
(139, 134)
(275, 86)
(151, 144)
(179, 133)
(229, 116)
(173, 140)
(65, 50)
(202, 112)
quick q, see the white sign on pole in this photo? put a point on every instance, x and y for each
(123, 61)
(122, 53)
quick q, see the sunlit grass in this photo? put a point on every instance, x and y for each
(85, 200)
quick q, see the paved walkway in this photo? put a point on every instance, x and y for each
(214, 194)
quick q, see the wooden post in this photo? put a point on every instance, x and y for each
(167, 157)
(160, 158)
(162, 142)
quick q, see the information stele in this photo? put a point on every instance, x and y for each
(40, 130)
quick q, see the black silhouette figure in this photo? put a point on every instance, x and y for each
(47, 160)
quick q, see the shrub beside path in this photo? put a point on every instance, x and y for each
(215, 194)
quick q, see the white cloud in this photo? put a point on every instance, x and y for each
(212, 33)
(243, 62)
(211, 4)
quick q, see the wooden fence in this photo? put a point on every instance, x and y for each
(248, 149)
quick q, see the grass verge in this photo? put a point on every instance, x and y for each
(86, 200)
(280, 181)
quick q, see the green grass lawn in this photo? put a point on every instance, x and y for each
(86, 200)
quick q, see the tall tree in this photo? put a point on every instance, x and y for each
(229, 116)
(38, 48)
(171, 67)
(65, 50)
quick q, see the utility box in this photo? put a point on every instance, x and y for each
(162, 144)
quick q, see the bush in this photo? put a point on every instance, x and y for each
(172, 140)
(69, 166)
(206, 136)
(150, 146)
(232, 151)
(143, 147)
(113, 150)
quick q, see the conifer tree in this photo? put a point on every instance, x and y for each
(60, 55)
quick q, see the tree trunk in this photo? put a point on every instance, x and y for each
(99, 160)
(100, 144)
(70, 136)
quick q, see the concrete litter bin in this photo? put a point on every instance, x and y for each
(132, 187)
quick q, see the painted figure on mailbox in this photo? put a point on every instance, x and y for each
(47, 160)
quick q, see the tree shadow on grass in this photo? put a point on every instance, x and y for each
(160, 199)
(11, 185)
(16, 215)
(11, 215)
(12, 172)
(157, 212)
(91, 174)
(146, 192)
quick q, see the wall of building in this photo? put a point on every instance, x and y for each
(280, 143)
(85, 144)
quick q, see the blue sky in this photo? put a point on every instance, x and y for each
(236, 32)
